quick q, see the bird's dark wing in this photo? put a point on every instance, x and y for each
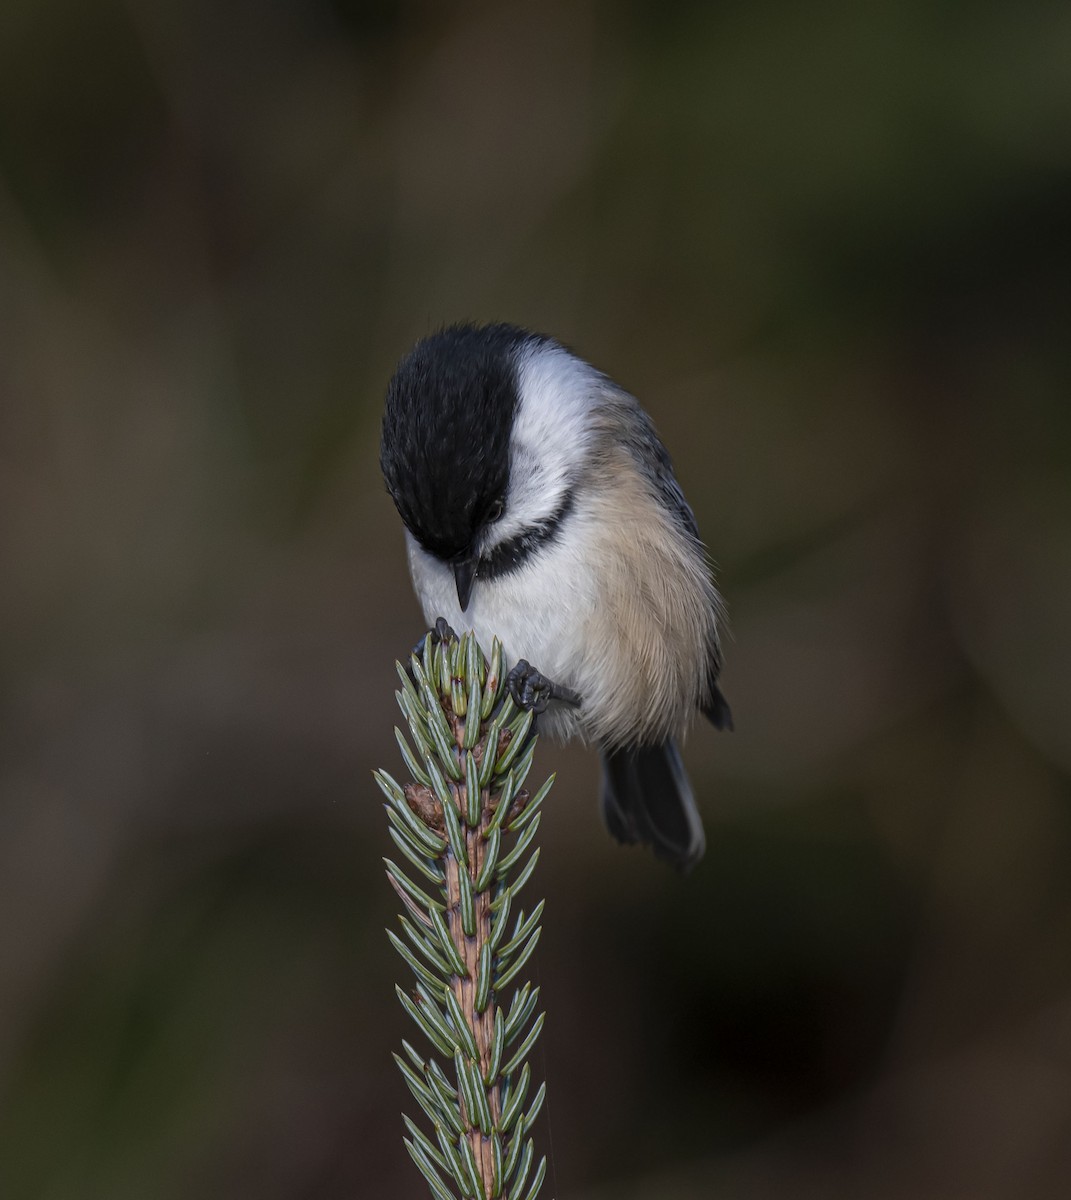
(647, 449)
(717, 710)
(653, 459)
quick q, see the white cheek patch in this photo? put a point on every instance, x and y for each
(551, 433)
(526, 500)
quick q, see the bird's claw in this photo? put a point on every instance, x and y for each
(439, 632)
(533, 691)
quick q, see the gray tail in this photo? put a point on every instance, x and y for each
(646, 797)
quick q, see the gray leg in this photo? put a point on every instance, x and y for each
(439, 632)
(531, 690)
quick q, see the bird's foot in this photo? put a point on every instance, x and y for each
(534, 691)
(439, 632)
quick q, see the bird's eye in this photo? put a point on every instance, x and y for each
(494, 512)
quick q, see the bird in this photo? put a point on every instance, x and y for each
(540, 506)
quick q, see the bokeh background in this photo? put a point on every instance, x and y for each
(828, 246)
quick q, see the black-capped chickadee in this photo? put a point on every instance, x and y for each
(541, 507)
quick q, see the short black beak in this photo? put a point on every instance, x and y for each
(464, 577)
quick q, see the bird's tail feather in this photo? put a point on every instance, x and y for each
(646, 797)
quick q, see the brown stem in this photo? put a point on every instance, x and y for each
(465, 986)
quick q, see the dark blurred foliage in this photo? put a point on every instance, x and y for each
(828, 246)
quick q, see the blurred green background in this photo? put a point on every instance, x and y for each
(829, 246)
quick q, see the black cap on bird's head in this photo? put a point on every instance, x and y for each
(445, 442)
